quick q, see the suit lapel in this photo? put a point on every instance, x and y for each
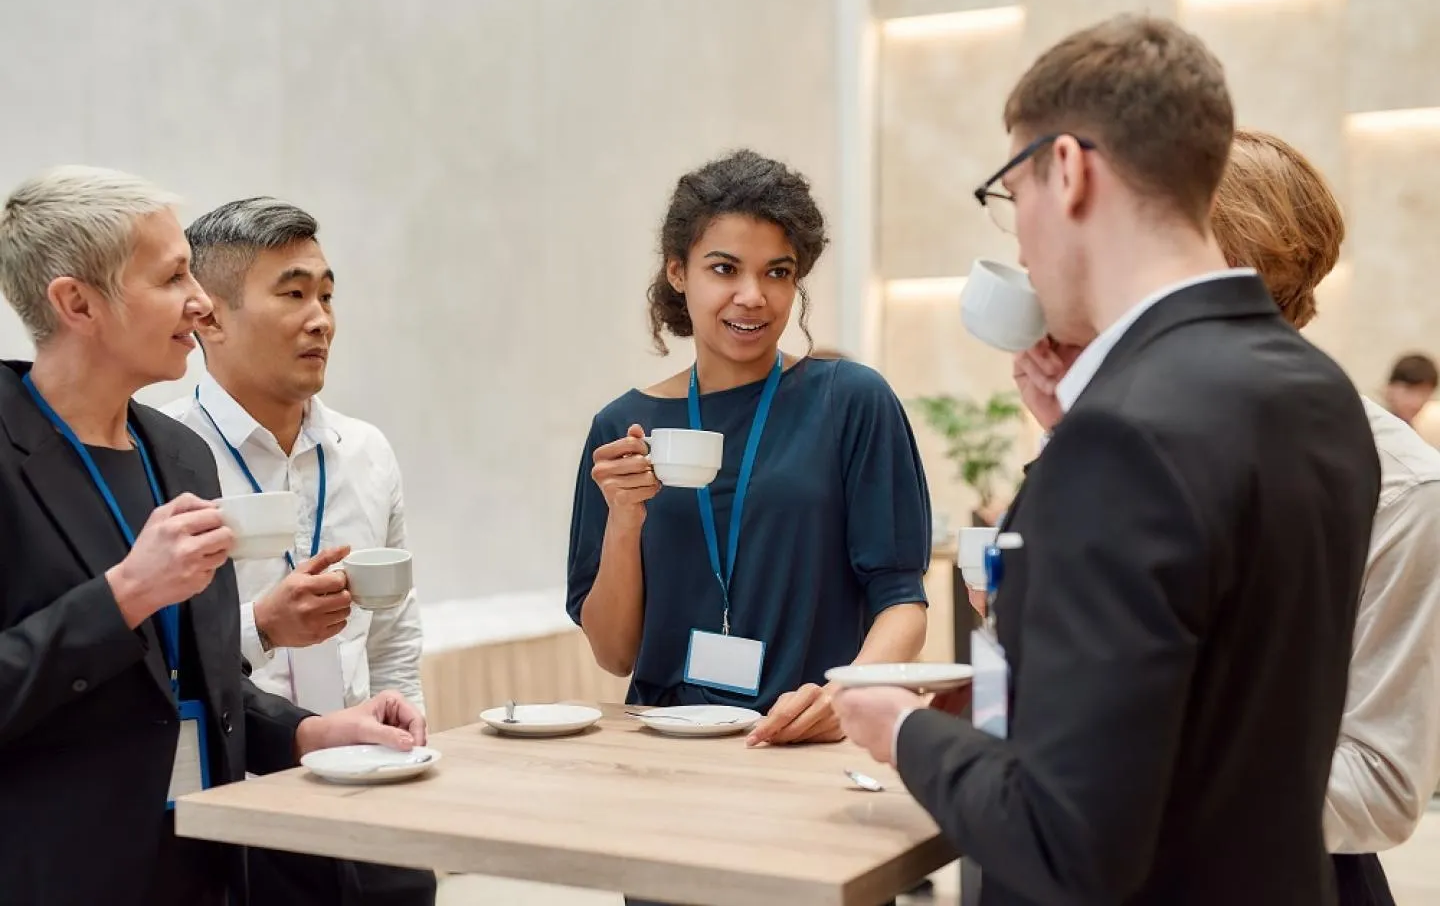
(69, 497)
(1242, 296)
(58, 478)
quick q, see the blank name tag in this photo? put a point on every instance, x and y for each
(724, 662)
(189, 773)
(990, 705)
(318, 678)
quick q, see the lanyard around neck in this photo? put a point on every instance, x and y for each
(255, 485)
(742, 483)
(170, 615)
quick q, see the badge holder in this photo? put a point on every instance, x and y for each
(726, 662)
(720, 660)
(191, 770)
(990, 705)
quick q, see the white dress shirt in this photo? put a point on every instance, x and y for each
(1087, 363)
(1387, 762)
(364, 508)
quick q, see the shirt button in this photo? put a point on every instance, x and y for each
(79, 685)
(225, 722)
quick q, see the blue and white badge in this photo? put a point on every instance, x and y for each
(191, 770)
(990, 689)
(723, 661)
(990, 692)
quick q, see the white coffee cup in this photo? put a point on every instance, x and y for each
(970, 554)
(264, 524)
(998, 306)
(379, 577)
(683, 458)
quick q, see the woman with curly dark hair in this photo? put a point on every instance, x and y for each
(819, 466)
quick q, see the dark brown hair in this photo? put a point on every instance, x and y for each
(1415, 370)
(1148, 93)
(1275, 213)
(741, 183)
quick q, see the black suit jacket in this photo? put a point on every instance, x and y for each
(1178, 626)
(87, 725)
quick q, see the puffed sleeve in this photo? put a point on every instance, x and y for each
(887, 503)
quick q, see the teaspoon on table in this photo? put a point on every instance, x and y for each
(864, 781)
(418, 758)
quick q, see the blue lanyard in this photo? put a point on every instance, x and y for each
(169, 615)
(255, 485)
(742, 484)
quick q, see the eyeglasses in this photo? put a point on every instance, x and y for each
(1000, 204)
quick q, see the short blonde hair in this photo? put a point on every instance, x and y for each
(1274, 212)
(70, 222)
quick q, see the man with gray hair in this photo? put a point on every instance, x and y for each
(121, 684)
(267, 342)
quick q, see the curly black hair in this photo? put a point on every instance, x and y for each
(740, 183)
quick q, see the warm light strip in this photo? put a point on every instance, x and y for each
(966, 22)
(924, 288)
(1242, 4)
(1380, 121)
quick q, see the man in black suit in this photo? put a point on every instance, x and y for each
(1178, 619)
(118, 611)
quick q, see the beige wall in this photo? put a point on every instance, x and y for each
(1299, 68)
(488, 177)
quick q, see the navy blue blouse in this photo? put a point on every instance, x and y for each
(836, 529)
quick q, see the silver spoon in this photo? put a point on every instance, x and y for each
(510, 713)
(416, 758)
(864, 781)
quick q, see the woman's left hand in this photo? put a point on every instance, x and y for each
(804, 715)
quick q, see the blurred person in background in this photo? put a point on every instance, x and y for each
(1412, 384)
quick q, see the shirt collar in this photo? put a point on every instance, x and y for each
(238, 426)
(1088, 363)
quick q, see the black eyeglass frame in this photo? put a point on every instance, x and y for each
(983, 192)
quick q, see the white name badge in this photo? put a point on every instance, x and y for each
(190, 772)
(725, 662)
(990, 704)
(317, 678)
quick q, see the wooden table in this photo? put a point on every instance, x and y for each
(696, 821)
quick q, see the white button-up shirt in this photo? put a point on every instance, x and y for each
(364, 508)
(1387, 761)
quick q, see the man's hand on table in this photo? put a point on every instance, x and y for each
(387, 720)
(804, 715)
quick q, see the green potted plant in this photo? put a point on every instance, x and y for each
(978, 438)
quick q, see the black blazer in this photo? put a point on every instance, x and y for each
(87, 727)
(1178, 626)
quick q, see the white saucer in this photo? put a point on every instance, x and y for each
(369, 763)
(919, 677)
(700, 720)
(543, 720)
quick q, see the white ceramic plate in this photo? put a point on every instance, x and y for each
(369, 764)
(543, 720)
(919, 677)
(700, 720)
